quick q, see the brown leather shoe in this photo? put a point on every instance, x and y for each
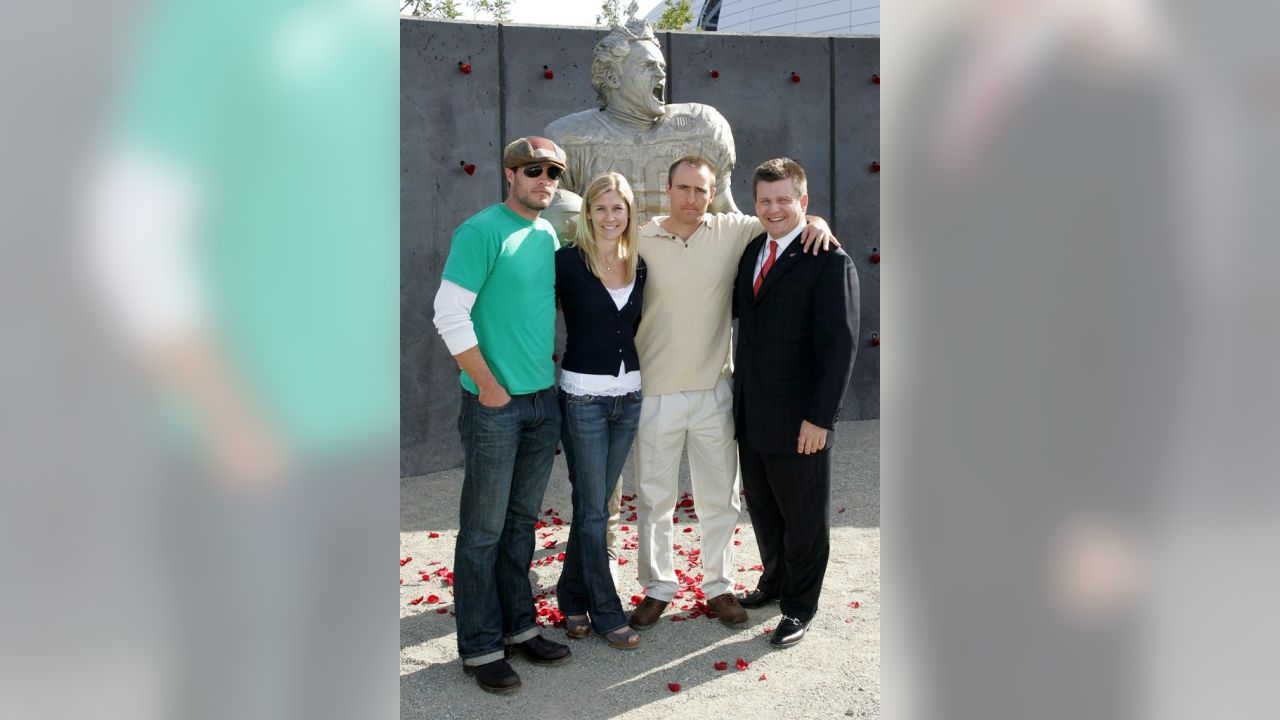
(727, 609)
(647, 613)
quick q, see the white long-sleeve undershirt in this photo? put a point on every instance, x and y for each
(453, 317)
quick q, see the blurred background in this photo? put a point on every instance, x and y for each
(1078, 361)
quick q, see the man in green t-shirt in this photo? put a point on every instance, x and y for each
(496, 312)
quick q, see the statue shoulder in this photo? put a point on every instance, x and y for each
(698, 111)
(576, 126)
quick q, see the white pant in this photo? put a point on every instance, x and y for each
(703, 419)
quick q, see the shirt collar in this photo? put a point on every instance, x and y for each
(785, 240)
(653, 229)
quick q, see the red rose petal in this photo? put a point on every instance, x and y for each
(763, 676)
(539, 525)
(622, 561)
(549, 544)
(401, 581)
(416, 600)
(560, 557)
(557, 521)
(433, 599)
(626, 528)
(433, 535)
(768, 630)
(743, 664)
(686, 503)
(689, 529)
(855, 604)
(722, 665)
(759, 568)
(442, 610)
(406, 561)
(737, 542)
(673, 687)
(739, 586)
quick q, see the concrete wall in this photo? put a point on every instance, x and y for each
(829, 121)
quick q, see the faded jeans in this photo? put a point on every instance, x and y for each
(597, 432)
(507, 455)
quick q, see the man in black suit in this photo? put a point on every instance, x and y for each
(797, 319)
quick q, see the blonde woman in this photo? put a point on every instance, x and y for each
(600, 286)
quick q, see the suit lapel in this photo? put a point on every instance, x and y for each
(747, 268)
(784, 262)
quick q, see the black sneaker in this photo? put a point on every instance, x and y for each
(541, 651)
(495, 677)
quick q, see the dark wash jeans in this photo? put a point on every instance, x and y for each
(597, 434)
(507, 455)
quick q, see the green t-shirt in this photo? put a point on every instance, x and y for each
(509, 263)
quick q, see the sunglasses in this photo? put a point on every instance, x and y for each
(533, 171)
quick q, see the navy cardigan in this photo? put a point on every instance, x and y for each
(600, 335)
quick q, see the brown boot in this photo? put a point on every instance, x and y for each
(727, 609)
(647, 613)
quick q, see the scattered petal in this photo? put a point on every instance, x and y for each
(737, 542)
(560, 557)
(768, 630)
(433, 535)
(686, 503)
(626, 528)
(673, 687)
(549, 544)
(688, 529)
(416, 600)
(406, 561)
(759, 568)
(743, 664)
(855, 604)
(557, 521)
(442, 610)
(763, 676)
(433, 599)
(401, 581)
(722, 665)
(622, 561)
(539, 525)
(635, 599)
(735, 530)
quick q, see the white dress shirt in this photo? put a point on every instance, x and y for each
(783, 242)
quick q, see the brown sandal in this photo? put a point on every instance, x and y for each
(624, 638)
(577, 626)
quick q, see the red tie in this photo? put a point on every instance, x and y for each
(764, 269)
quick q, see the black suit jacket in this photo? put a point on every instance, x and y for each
(795, 345)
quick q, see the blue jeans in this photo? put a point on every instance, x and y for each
(596, 435)
(507, 455)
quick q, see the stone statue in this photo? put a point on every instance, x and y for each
(634, 131)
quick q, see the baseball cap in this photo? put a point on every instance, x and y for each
(532, 149)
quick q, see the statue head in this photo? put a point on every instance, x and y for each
(628, 71)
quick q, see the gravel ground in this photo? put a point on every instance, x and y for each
(834, 672)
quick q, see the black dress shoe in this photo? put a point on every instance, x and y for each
(756, 599)
(789, 632)
(495, 677)
(541, 651)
